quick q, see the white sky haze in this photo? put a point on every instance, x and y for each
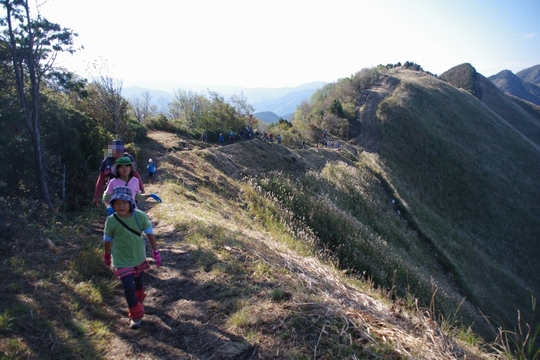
(282, 43)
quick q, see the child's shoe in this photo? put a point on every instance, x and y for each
(135, 323)
(136, 314)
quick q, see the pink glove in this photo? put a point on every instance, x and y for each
(107, 259)
(157, 257)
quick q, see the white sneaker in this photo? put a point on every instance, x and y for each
(135, 323)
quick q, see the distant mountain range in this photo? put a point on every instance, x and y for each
(285, 106)
(272, 104)
(530, 75)
(282, 102)
(525, 84)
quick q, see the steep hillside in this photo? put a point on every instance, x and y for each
(513, 85)
(523, 117)
(465, 170)
(460, 160)
(243, 279)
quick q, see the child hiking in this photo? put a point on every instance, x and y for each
(107, 170)
(125, 250)
(124, 177)
(152, 169)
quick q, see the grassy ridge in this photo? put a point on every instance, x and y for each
(467, 179)
(463, 176)
(353, 218)
(463, 181)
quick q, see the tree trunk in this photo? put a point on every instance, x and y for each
(29, 106)
(40, 169)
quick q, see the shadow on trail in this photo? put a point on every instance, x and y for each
(187, 308)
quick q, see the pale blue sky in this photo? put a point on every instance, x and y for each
(279, 43)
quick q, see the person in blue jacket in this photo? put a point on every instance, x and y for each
(151, 169)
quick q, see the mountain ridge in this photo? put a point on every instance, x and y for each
(515, 85)
(456, 130)
(530, 75)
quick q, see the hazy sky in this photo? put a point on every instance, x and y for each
(281, 43)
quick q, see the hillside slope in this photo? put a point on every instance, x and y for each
(234, 285)
(465, 169)
(458, 159)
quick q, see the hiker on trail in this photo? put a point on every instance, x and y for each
(221, 139)
(204, 137)
(279, 139)
(125, 250)
(107, 170)
(151, 169)
(231, 136)
(271, 137)
(124, 177)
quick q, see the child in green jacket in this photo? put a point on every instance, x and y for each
(125, 249)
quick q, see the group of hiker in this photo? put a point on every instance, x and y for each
(124, 247)
(233, 136)
(325, 141)
(247, 134)
(270, 137)
(264, 136)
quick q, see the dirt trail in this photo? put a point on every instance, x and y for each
(370, 138)
(180, 322)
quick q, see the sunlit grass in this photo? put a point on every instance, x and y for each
(16, 348)
(243, 317)
(89, 292)
(6, 320)
(346, 211)
(53, 306)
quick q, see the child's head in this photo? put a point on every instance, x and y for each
(122, 200)
(124, 167)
